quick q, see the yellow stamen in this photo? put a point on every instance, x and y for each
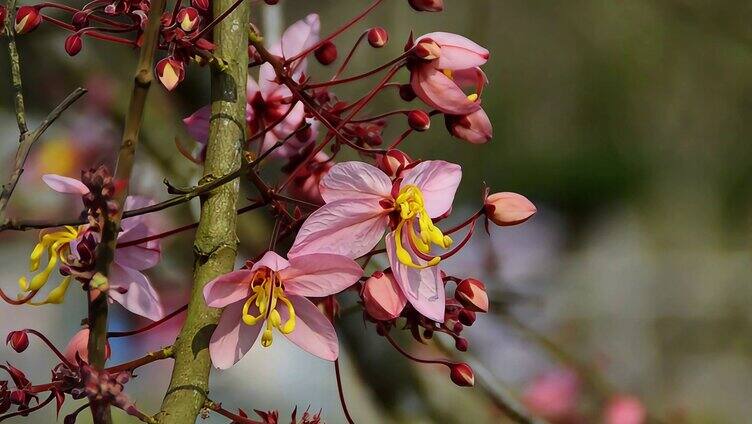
(267, 293)
(57, 295)
(449, 73)
(473, 97)
(410, 204)
(56, 245)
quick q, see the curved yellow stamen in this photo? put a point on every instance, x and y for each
(57, 295)
(410, 204)
(56, 245)
(267, 293)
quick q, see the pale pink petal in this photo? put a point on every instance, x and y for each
(345, 227)
(313, 331)
(139, 297)
(135, 202)
(141, 256)
(251, 88)
(457, 52)
(197, 124)
(475, 128)
(383, 297)
(320, 274)
(272, 261)
(228, 288)
(355, 180)
(440, 92)
(63, 184)
(438, 181)
(79, 345)
(298, 37)
(232, 338)
(423, 288)
(267, 80)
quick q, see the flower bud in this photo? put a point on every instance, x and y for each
(19, 397)
(73, 44)
(506, 208)
(170, 72)
(271, 2)
(377, 37)
(407, 93)
(80, 19)
(28, 19)
(78, 344)
(202, 5)
(471, 293)
(18, 340)
(475, 128)
(188, 18)
(418, 120)
(2, 16)
(427, 49)
(461, 344)
(427, 5)
(466, 317)
(327, 53)
(462, 375)
(624, 409)
(382, 296)
(393, 161)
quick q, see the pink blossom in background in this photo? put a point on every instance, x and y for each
(362, 202)
(554, 396)
(79, 344)
(272, 294)
(624, 409)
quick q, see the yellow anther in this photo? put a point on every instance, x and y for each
(267, 338)
(449, 73)
(473, 97)
(267, 293)
(411, 204)
(57, 295)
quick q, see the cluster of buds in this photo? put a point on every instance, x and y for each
(427, 5)
(20, 396)
(272, 417)
(106, 387)
(102, 188)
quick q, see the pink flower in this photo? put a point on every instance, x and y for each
(554, 396)
(272, 294)
(268, 101)
(362, 203)
(382, 296)
(475, 128)
(624, 409)
(79, 344)
(447, 63)
(128, 286)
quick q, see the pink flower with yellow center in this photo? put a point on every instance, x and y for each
(272, 295)
(362, 202)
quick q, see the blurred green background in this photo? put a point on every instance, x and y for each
(627, 124)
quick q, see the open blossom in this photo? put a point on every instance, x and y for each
(362, 202)
(267, 100)
(272, 294)
(72, 251)
(447, 63)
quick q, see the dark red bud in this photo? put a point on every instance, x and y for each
(2, 14)
(19, 397)
(467, 317)
(18, 340)
(462, 375)
(327, 53)
(28, 19)
(471, 293)
(461, 344)
(80, 19)
(406, 93)
(392, 162)
(377, 37)
(457, 327)
(418, 120)
(73, 44)
(271, 2)
(427, 5)
(202, 5)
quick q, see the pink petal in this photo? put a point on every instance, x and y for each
(355, 180)
(438, 181)
(136, 202)
(63, 184)
(298, 37)
(272, 261)
(440, 92)
(475, 128)
(228, 288)
(140, 297)
(457, 52)
(383, 297)
(251, 88)
(313, 331)
(232, 338)
(197, 124)
(267, 78)
(320, 274)
(141, 256)
(345, 227)
(423, 288)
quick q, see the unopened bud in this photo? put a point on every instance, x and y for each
(188, 18)
(327, 53)
(427, 49)
(407, 93)
(393, 161)
(418, 120)
(80, 19)
(461, 344)
(28, 19)
(382, 296)
(2, 16)
(18, 340)
(19, 397)
(509, 208)
(73, 44)
(462, 375)
(170, 72)
(79, 346)
(271, 2)
(427, 5)
(377, 37)
(471, 293)
(466, 317)
(202, 5)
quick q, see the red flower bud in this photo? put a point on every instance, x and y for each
(327, 53)
(377, 37)
(407, 93)
(2, 15)
(19, 397)
(418, 120)
(18, 340)
(508, 208)
(466, 317)
(28, 19)
(462, 375)
(461, 344)
(80, 19)
(271, 2)
(202, 5)
(427, 49)
(188, 18)
(73, 44)
(170, 72)
(393, 162)
(471, 293)
(427, 5)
